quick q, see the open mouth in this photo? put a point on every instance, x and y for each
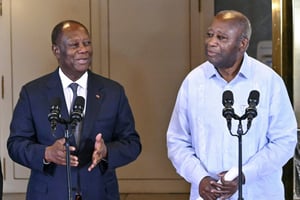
(83, 60)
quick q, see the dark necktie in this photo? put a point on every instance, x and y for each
(74, 87)
(76, 131)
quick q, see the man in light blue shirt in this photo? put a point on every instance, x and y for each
(199, 143)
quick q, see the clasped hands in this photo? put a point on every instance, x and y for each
(210, 189)
(56, 153)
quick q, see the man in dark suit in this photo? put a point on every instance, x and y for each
(108, 138)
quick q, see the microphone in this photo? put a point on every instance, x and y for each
(251, 111)
(54, 115)
(77, 111)
(228, 111)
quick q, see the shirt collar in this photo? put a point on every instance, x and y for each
(82, 81)
(244, 70)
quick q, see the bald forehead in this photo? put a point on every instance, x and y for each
(73, 26)
(231, 16)
(64, 27)
(236, 19)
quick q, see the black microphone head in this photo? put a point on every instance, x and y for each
(54, 115)
(228, 111)
(79, 103)
(227, 98)
(54, 108)
(77, 112)
(253, 98)
(55, 102)
(251, 111)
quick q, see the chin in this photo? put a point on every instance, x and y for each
(82, 68)
(212, 62)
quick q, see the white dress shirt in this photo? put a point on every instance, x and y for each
(81, 90)
(199, 143)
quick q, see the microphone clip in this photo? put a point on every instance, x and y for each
(76, 115)
(250, 111)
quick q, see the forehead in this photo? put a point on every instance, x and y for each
(74, 31)
(228, 27)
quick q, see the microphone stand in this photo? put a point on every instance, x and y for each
(240, 177)
(250, 113)
(76, 117)
(239, 135)
(68, 164)
(67, 145)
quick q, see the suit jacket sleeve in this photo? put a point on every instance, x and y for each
(125, 145)
(22, 143)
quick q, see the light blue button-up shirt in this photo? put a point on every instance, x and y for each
(198, 140)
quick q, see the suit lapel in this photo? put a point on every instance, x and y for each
(54, 89)
(94, 100)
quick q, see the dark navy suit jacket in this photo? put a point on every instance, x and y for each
(107, 112)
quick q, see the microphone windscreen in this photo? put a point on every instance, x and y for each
(253, 97)
(55, 102)
(227, 98)
(79, 102)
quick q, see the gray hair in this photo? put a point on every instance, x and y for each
(238, 18)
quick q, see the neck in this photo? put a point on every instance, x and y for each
(229, 73)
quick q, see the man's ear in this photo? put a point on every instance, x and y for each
(55, 50)
(244, 44)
